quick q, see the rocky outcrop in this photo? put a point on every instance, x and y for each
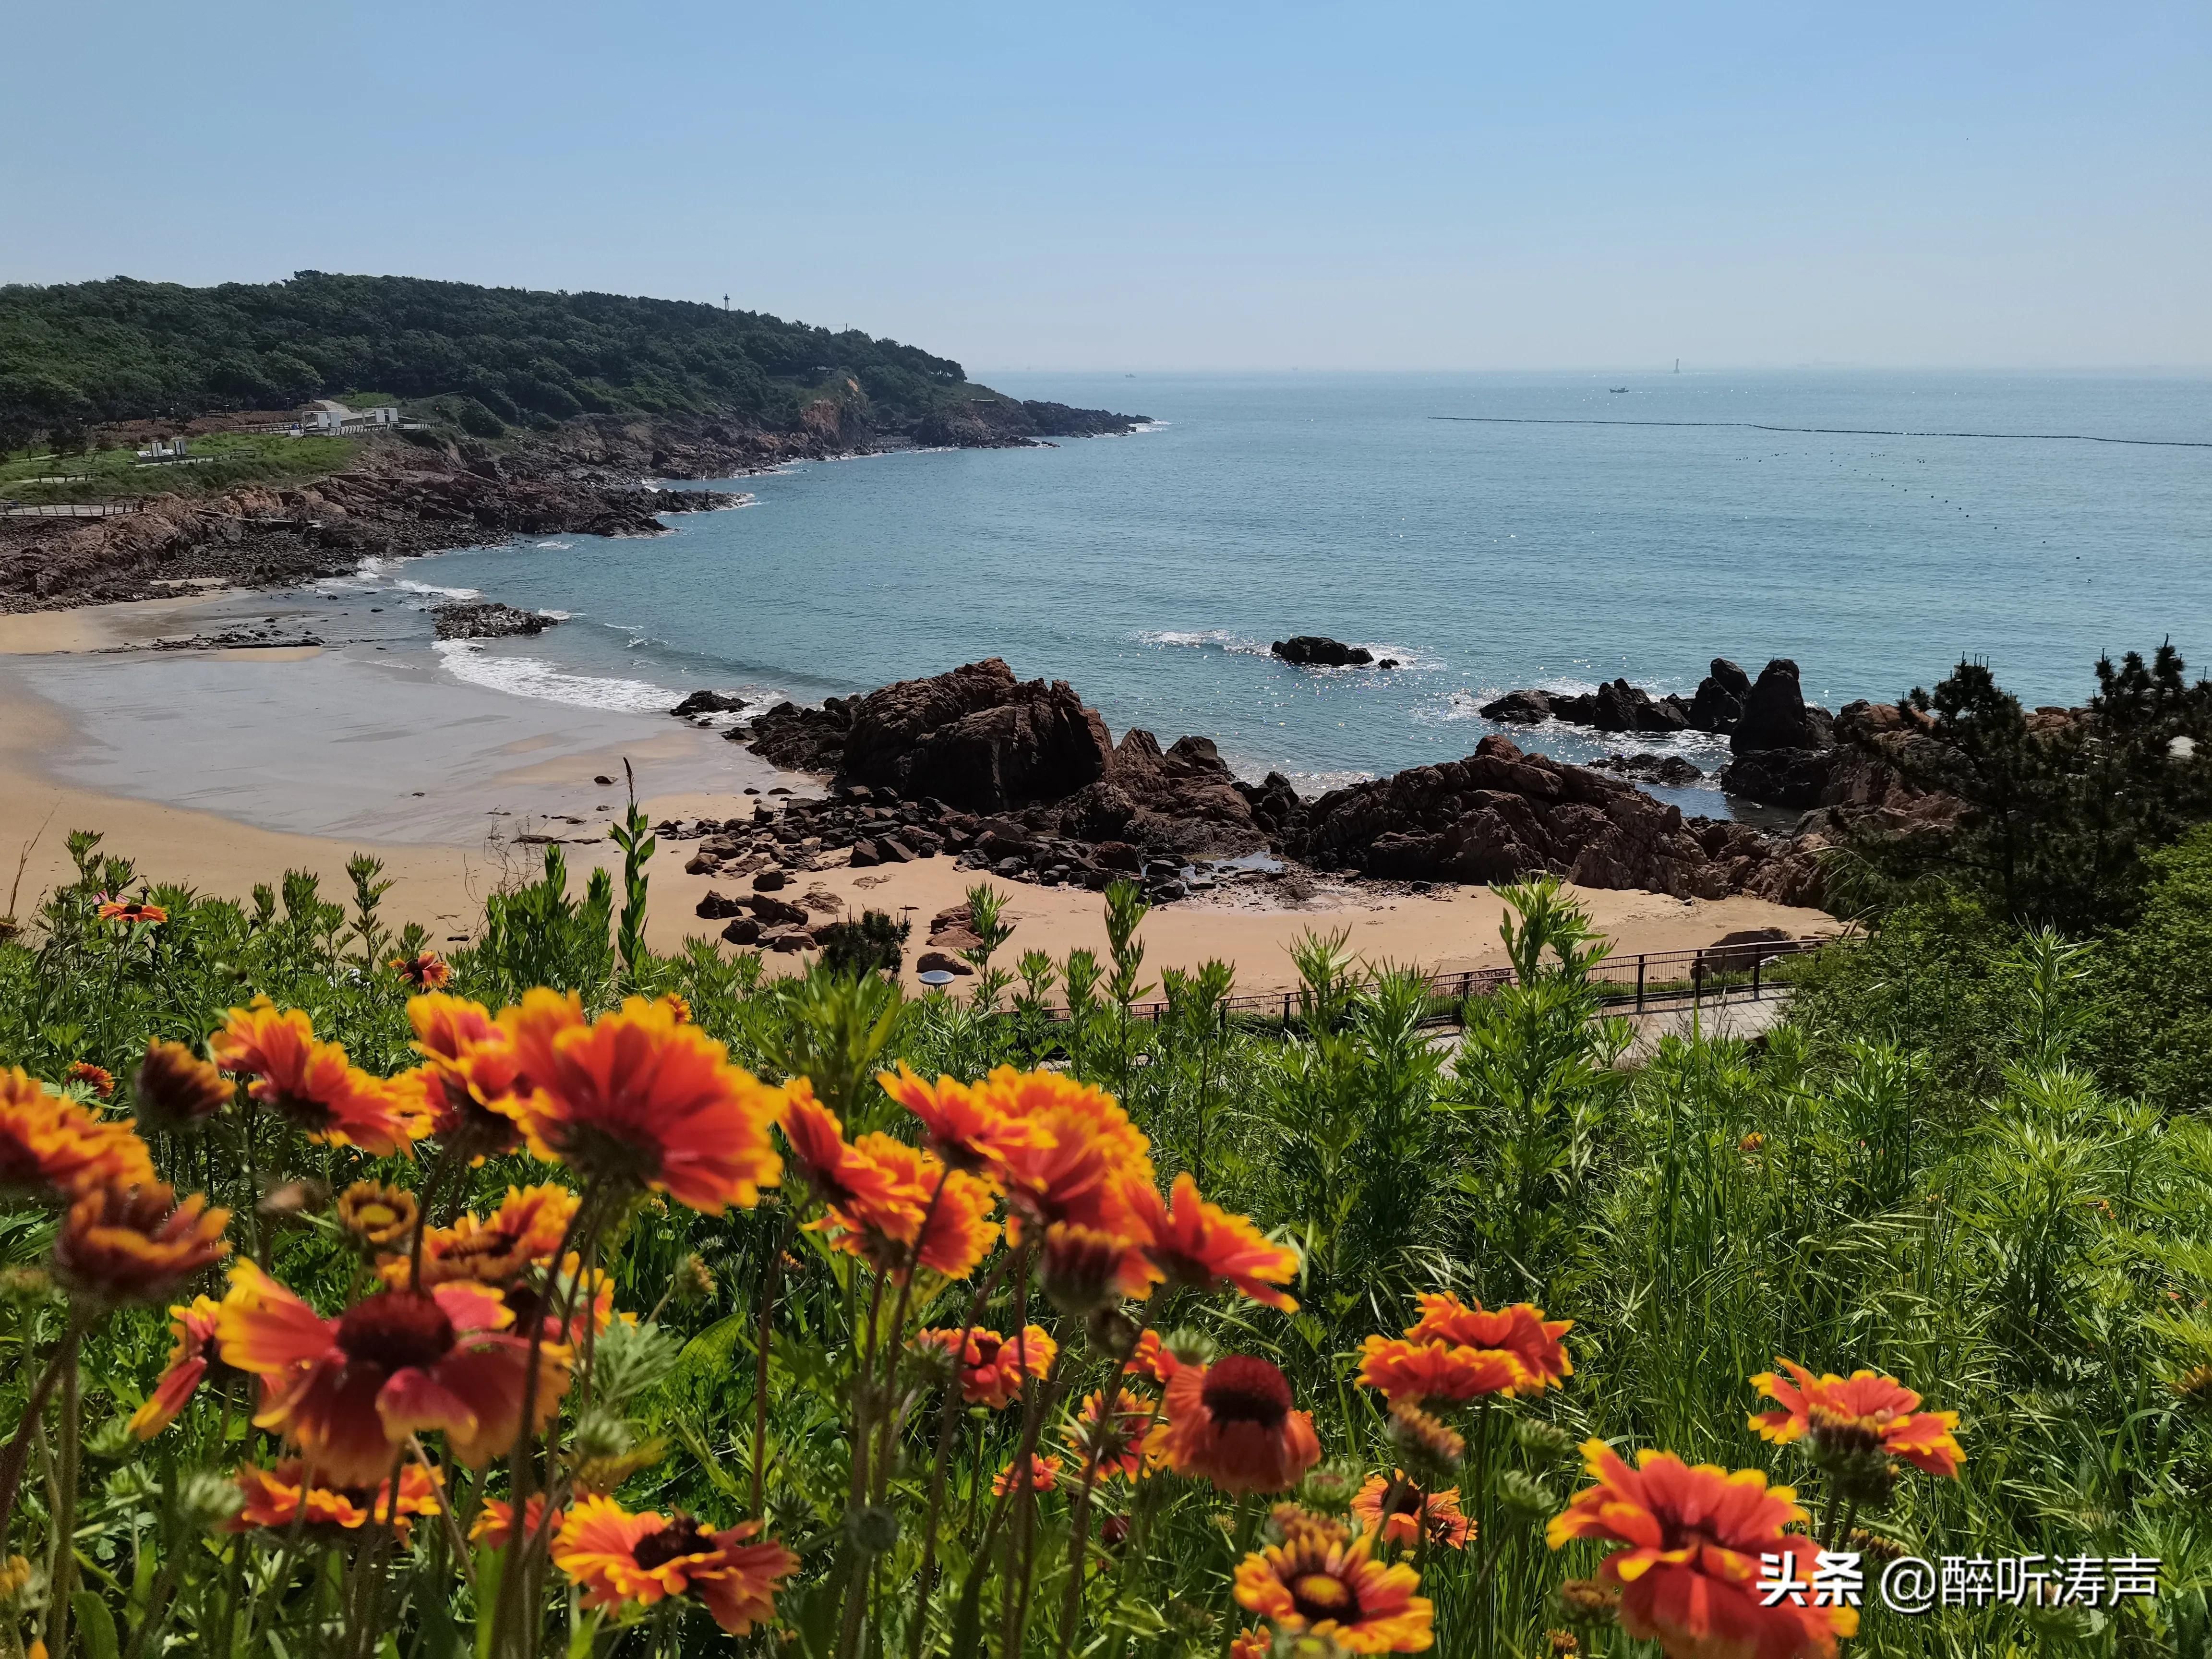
(707, 702)
(1317, 651)
(486, 621)
(1617, 706)
(1669, 771)
(1776, 716)
(1784, 746)
(977, 738)
(1500, 814)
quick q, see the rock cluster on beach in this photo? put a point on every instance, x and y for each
(1020, 777)
(474, 621)
(1317, 651)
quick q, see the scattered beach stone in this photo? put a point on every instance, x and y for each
(768, 881)
(1318, 651)
(707, 702)
(486, 621)
(603, 781)
(715, 907)
(938, 962)
(742, 930)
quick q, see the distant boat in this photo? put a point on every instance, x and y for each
(1616, 388)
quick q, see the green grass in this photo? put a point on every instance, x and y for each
(218, 463)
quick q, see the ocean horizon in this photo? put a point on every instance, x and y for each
(1488, 531)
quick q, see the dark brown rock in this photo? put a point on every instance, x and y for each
(1526, 706)
(940, 961)
(743, 930)
(714, 907)
(1499, 814)
(776, 912)
(768, 881)
(1776, 716)
(1318, 651)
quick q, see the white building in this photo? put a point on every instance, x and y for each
(324, 416)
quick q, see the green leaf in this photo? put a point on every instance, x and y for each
(95, 1626)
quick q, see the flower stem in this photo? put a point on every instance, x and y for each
(63, 1575)
(12, 1461)
(947, 1416)
(771, 1277)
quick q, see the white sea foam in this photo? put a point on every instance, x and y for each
(407, 587)
(532, 677)
(1310, 784)
(559, 546)
(1206, 639)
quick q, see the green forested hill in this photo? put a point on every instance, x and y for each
(123, 349)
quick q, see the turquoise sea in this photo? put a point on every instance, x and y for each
(1552, 541)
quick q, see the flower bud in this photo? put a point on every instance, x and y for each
(1525, 1498)
(1588, 1602)
(1329, 1488)
(206, 1500)
(1190, 1346)
(1428, 1446)
(694, 1281)
(872, 1529)
(1543, 1439)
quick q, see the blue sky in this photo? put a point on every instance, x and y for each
(1188, 186)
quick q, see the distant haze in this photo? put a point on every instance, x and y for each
(1148, 186)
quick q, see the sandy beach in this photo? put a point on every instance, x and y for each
(221, 769)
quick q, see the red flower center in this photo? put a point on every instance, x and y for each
(1244, 1388)
(988, 1344)
(1319, 1595)
(682, 1536)
(395, 1330)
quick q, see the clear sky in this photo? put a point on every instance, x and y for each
(1959, 183)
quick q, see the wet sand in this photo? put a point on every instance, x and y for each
(223, 769)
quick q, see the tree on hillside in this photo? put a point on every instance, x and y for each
(2062, 806)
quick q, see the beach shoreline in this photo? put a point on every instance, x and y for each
(220, 770)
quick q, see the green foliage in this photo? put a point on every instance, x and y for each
(110, 350)
(2151, 1015)
(875, 943)
(2061, 812)
(220, 462)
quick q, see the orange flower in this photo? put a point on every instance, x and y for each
(639, 1100)
(967, 1128)
(426, 971)
(470, 1080)
(348, 1391)
(936, 1216)
(54, 1147)
(678, 1009)
(497, 1515)
(1231, 1423)
(1044, 1475)
(1201, 1245)
(838, 1175)
(1084, 1269)
(993, 1367)
(310, 1082)
(524, 1231)
(1312, 1584)
(273, 1498)
(1081, 1156)
(98, 1078)
(175, 1089)
(1440, 1511)
(189, 1360)
(137, 1243)
(376, 1214)
(1867, 1411)
(1113, 1439)
(1257, 1642)
(1429, 1372)
(1688, 1575)
(617, 1558)
(1152, 1360)
(130, 911)
(1520, 1330)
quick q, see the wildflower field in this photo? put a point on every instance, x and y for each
(556, 1298)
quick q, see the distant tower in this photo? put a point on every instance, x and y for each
(1678, 362)
(725, 306)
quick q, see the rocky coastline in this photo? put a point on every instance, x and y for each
(1021, 779)
(422, 492)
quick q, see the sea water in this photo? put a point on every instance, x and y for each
(1553, 533)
